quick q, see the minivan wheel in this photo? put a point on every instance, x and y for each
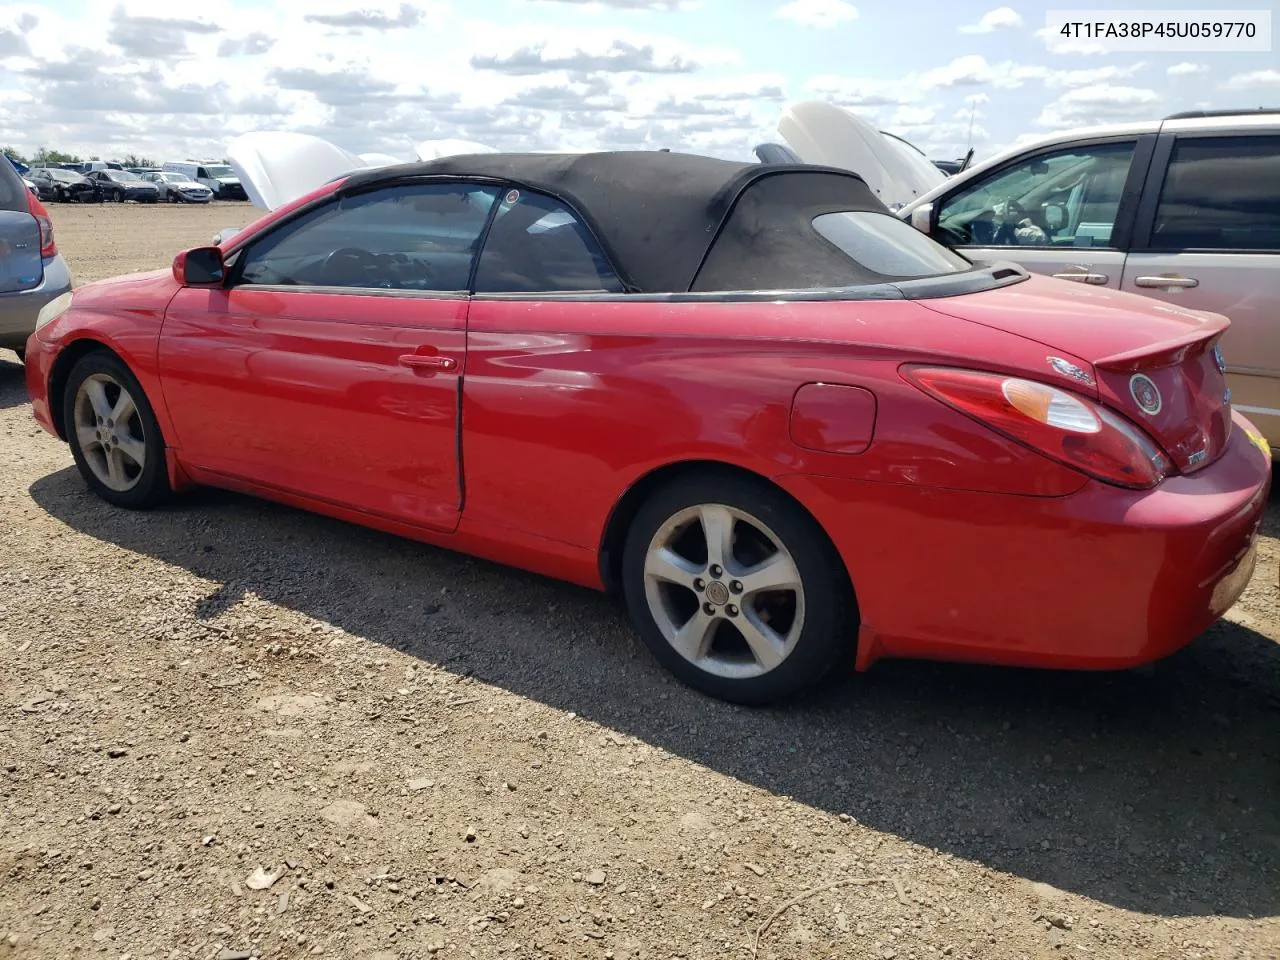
(113, 434)
(737, 590)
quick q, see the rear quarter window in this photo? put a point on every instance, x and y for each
(886, 245)
(817, 230)
(12, 189)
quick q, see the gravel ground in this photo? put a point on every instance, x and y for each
(231, 729)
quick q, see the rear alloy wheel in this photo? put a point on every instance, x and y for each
(737, 590)
(113, 433)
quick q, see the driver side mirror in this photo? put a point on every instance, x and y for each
(922, 217)
(201, 266)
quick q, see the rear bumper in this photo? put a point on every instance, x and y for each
(1105, 578)
(18, 311)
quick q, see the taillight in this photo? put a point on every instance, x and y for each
(48, 247)
(1063, 426)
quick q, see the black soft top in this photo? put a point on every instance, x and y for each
(658, 215)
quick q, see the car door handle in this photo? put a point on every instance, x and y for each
(428, 361)
(1166, 282)
(1094, 278)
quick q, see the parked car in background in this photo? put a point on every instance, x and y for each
(140, 171)
(32, 273)
(218, 177)
(121, 185)
(780, 422)
(1185, 210)
(64, 186)
(178, 187)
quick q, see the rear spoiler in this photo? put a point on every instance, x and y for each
(1168, 352)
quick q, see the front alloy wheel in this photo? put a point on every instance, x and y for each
(736, 589)
(113, 433)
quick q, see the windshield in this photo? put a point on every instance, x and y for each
(67, 176)
(177, 178)
(220, 171)
(122, 175)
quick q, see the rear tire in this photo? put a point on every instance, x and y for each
(113, 434)
(755, 613)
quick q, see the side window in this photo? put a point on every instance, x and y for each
(537, 245)
(1064, 199)
(402, 237)
(201, 172)
(1220, 193)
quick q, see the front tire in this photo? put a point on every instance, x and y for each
(737, 590)
(112, 430)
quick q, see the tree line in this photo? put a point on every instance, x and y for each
(47, 155)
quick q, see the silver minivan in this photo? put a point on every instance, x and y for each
(1184, 209)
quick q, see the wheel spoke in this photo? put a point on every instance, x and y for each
(693, 640)
(766, 646)
(87, 437)
(665, 564)
(775, 573)
(717, 526)
(115, 468)
(97, 394)
(124, 408)
(135, 450)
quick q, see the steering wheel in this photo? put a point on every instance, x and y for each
(1014, 213)
(351, 257)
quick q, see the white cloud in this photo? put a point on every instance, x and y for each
(1002, 18)
(818, 13)
(1100, 104)
(1089, 77)
(1187, 69)
(597, 6)
(909, 116)
(1254, 80)
(1078, 46)
(379, 75)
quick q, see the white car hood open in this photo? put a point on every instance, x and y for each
(278, 166)
(824, 133)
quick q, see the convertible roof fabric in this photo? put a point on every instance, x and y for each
(657, 214)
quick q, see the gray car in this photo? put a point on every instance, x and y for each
(178, 187)
(32, 272)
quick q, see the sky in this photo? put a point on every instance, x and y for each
(178, 80)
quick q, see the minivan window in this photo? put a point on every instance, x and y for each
(1069, 198)
(1220, 193)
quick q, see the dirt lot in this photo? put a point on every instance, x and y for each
(232, 729)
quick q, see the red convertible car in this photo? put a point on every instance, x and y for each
(792, 431)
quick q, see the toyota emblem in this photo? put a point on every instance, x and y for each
(1145, 394)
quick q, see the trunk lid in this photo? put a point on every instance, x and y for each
(1157, 364)
(20, 265)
